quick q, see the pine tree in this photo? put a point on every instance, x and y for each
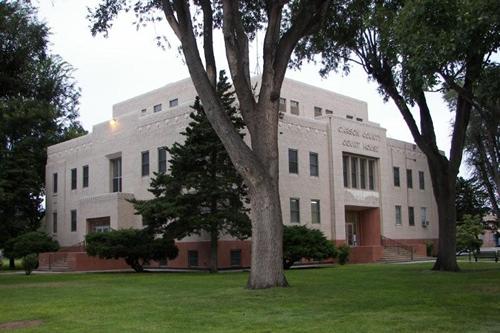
(203, 191)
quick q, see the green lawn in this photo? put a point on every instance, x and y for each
(5, 264)
(352, 298)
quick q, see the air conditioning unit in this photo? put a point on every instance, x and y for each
(425, 224)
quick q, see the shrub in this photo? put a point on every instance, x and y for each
(32, 242)
(301, 242)
(429, 247)
(137, 247)
(343, 253)
(30, 262)
(468, 232)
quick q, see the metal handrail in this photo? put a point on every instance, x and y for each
(394, 243)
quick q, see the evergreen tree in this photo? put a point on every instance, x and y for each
(203, 191)
(38, 108)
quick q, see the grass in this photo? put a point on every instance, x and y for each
(5, 264)
(352, 298)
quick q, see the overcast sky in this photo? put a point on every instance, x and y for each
(128, 63)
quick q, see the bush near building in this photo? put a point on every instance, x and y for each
(300, 242)
(27, 246)
(137, 247)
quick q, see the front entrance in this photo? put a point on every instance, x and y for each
(352, 228)
(100, 224)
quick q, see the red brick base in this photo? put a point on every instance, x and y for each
(72, 260)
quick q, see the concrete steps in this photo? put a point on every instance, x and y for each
(62, 263)
(394, 254)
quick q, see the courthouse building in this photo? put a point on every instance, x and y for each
(339, 172)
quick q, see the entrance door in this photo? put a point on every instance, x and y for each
(351, 228)
(101, 224)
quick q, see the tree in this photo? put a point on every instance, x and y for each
(482, 142)
(470, 199)
(410, 48)
(27, 246)
(203, 191)
(468, 232)
(137, 247)
(284, 24)
(30, 242)
(301, 242)
(38, 108)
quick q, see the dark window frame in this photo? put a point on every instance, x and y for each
(74, 179)
(145, 163)
(74, 220)
(162, 160)
(193, 258)
(411, 216)
(396, 177)
(54, 182)
(315, 212)
(295, 211)
(293, 161)
(235, 258)
(85, 176)
(421, 180)
(313, 164)
(173, 103)
(116, 174)
(157, 108)
(409, 178)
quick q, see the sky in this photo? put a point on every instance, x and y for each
(128, 63)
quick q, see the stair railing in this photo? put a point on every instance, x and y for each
(388, 242)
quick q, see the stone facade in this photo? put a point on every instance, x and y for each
(89, 179)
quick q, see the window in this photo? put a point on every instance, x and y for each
(282, 107)
(409, 178)
(143, 111)
(73, 220)
(236, 258)
(328, 111)
(54, 222)
(293, 161)
(395, 171)
(318, 112)
(85, 173)
(54, 183)
(362, 169)
(349, 117)
(313, 164)
(423, 216)
(116, 174)
(294, 210)
(173, 102)
(358, 172)
(398, 215)
(193, 258)
(73, 179)
(157, 108)
(371, 174)
(315, 212)
(411, 216)
(145, 163)
(359, 119)
(345, 160)
(294, 107)
(421, 180)
(354, 172)
(162, 160)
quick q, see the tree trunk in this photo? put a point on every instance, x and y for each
(444, 184)
(12, 264)
(267, 231)
(213, 251)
